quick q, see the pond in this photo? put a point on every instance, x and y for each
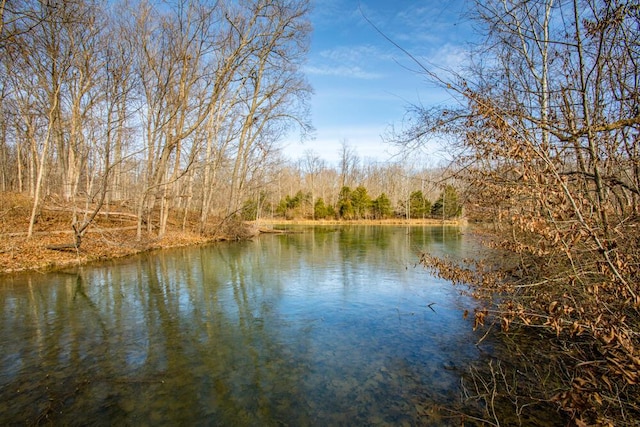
(328, 326)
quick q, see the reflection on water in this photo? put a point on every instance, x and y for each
(327, 327)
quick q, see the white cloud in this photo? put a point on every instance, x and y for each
(353, 71)
(451, 57)
(356, 54)
(424, 30)
(349, 61)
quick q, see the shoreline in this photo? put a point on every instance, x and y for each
(394, 221)
(19, 255)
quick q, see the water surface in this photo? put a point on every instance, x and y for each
(331, 326)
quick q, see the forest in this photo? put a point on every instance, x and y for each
(172, 113)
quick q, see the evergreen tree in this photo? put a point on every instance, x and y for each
(361, 202)
(345, 205)
(419, 206)
(448, 204)
(320, 210)
(294, 207)
(381, 207)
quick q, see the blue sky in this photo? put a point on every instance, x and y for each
(362, 83)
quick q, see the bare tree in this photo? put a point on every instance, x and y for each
(348, 164)
(170, 50)
(312, 164)
(42, 57)
(273, 88)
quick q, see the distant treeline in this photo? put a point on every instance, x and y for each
(357, 204)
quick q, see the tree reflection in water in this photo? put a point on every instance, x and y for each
(329, 326)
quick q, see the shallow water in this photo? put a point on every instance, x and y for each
(331, 326)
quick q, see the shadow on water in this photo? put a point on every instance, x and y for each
(330, 327)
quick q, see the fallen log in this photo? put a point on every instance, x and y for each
(70, 247)
(270, 231)
(84, 211)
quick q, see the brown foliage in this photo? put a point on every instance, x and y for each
(562, 188)
(548, 146)
(573, 268)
